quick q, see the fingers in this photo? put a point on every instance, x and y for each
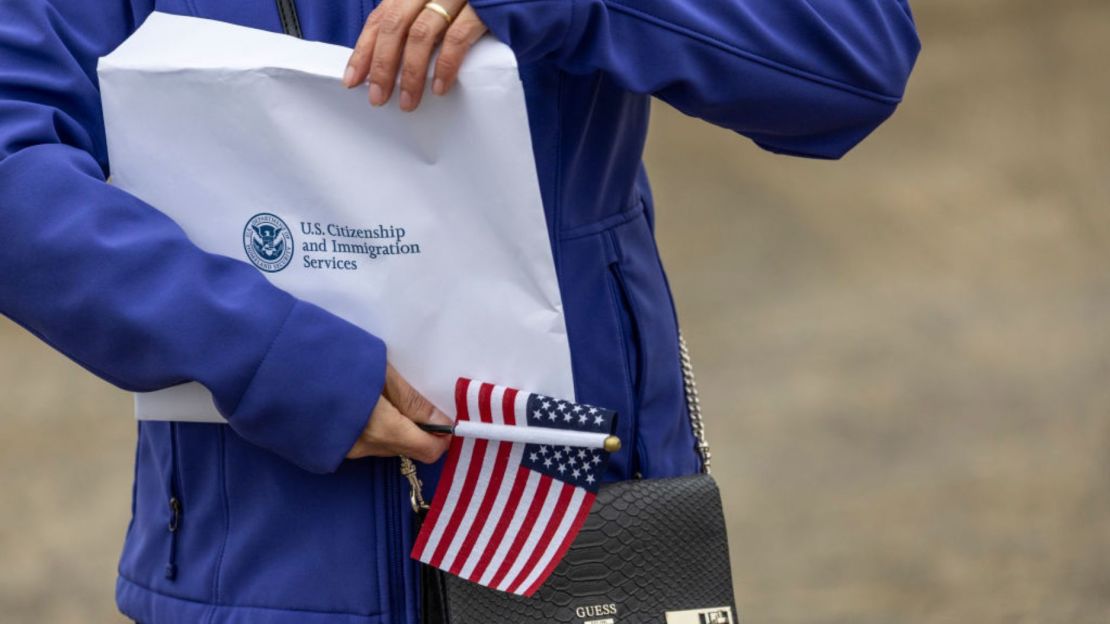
(396, 17)
(464, 32)
(400, 36)
(392, 428)
(409, 401)
(405, 24)
(358, 67)
(405, 438)
(389, 433)
(424, 36)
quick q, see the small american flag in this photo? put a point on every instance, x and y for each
(505, 513)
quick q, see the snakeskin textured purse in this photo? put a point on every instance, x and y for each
(651, 551)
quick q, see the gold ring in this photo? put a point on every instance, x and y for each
(436, 7)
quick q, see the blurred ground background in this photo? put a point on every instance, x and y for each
(904, 356)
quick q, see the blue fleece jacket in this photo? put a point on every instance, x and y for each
(270, 524)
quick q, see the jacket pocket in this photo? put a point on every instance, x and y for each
(150, 554)
(173, 503)
(664, 443)
(631, 345)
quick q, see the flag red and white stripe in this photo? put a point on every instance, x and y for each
(505, 513)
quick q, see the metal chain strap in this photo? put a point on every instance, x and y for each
(693, 404)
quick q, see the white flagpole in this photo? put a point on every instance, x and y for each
(534, 435)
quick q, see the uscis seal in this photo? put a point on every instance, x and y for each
(268, 242)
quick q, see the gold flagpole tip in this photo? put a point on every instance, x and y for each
(612, 444)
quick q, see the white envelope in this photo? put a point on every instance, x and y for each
(248, 140)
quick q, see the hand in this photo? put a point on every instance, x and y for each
(401, 35)
(392, 430)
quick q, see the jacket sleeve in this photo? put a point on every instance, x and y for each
(802, 77)
(116, 286)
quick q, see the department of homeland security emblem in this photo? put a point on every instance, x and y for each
(268, 242)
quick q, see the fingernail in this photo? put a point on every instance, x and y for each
(439, 87)
(349, 77)
(377, 94)
(407, 101)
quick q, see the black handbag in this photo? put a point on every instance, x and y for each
(651, 551)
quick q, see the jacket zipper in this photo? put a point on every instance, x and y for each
(175, 505)
(393, 521)
(396, 583)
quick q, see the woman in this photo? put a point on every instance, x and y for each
(296, 512)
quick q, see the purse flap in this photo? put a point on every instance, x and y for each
(651, 551)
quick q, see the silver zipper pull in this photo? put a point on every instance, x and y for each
(416, 488)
